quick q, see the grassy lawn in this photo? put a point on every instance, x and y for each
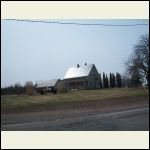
(24, 101)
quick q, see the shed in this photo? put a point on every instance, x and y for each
(48, 86)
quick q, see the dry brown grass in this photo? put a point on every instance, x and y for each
(14, 102)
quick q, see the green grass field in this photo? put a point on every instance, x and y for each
(14, 102)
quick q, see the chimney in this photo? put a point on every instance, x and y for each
(78, 66)
(85, 64)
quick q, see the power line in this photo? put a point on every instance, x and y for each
(74, 23)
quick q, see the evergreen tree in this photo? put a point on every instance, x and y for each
(118, 79)
(100, 81)
(104, 82)
(113, 81)
(110, 81)
(120, 82)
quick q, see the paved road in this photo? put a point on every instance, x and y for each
(131, 119)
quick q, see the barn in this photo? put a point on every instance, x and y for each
(48, 86)
(82, 77)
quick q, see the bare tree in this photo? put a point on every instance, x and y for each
(138, 63)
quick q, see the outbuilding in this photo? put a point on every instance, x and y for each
(48, 86)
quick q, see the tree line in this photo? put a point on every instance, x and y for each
(17, 88)
(13, 89)
(112, 81)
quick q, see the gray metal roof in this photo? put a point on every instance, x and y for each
(47, 83)
(81, 71)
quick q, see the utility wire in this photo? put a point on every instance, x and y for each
(75, 23)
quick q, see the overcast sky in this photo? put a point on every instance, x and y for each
(38, 51)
